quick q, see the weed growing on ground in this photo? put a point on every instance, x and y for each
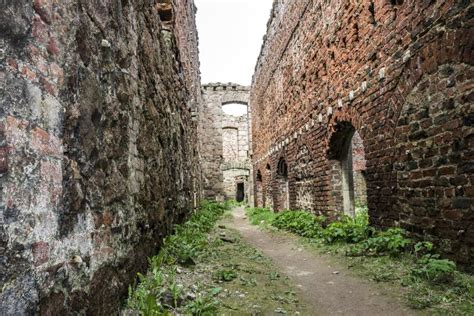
(225, 275)
(348, 229)
(260, 215)
(390, 242)
(299, 222)
(198, 273)
(383, 256)
(203, 305)
(434, 270)
(158, 291)
(233, 203)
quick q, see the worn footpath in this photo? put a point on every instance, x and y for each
(328, 288)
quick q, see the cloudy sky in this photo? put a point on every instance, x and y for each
(230, 37)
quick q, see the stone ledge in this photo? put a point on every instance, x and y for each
(219, 86)
(236, 165)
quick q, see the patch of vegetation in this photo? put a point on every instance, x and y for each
(190, 239)
(260, 215)
(158, 292)
(348, 229)
(233, 203)
(434, 270)
(299, 222)
(225, 275)
(391, 242)
(197, 273)
(384, 256)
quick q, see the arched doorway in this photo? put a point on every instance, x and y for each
(259, 189)
(268, 202)
(347, 157)
(240, 192)
(283, 185)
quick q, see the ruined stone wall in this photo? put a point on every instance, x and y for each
(97, 147)
(359, 168)
(259, 200)
(230, 179)
(401, 76)
(224, 141)
(230, 144)
(186, 35)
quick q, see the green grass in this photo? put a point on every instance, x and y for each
(157, 293)
(260, 216)
(426, 281)
(197, 273)
(300, 223)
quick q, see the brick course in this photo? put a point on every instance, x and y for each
(401, 75)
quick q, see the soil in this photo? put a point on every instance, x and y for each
(328, 288)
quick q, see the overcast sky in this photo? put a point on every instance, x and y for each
(230, 36)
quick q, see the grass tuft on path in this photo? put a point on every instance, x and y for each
(429, 282)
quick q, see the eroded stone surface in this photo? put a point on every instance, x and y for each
(225, 142)
(98, 147)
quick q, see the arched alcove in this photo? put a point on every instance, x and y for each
(268, 194)
(347, 158)
(230, 144)
(240, 191)
(259, 189)
(283, 189)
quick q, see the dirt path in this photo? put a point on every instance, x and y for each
(327, 287)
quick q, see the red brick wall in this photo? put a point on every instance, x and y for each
(375, 66)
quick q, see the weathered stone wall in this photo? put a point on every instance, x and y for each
(401, 76)
(97, 147)
(267, 187)
(231, 178)
(259, 193)
(224, 141)
(235, 147)
(359, 167)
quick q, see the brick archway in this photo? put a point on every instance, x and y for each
(346, 159)
(259, 189)
(282, 189)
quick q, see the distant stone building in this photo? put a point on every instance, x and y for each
(369, 103)
(225, 143)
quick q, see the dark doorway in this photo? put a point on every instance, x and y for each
(348, 169)
(259, 190)
(283, 185)
(240, 192)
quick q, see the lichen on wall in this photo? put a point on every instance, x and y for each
(98, 150)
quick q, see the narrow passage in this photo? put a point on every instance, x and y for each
(328, 288)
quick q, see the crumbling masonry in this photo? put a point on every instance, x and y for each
(107, 138)
(358, 102)
(225, 143)
(98, 154)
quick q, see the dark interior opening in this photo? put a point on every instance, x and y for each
(240, 192)
(347, 155)
(283, 185)
(396, 2)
